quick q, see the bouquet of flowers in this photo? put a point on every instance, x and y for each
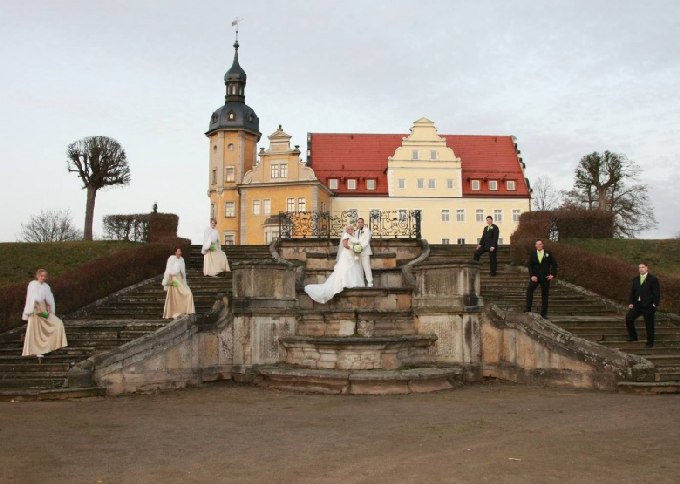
(174, 283)
(213, 248)
(43, 314)
(357, 248)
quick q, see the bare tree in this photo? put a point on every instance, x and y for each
(606, 181)
(545, 197)
(49, 226)
(100, 161)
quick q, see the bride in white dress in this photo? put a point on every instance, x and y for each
(346, 273)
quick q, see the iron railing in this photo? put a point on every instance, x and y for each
(392, 224)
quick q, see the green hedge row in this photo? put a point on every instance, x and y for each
(93, 280)
(609, 277)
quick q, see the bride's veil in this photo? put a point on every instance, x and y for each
(340, 247)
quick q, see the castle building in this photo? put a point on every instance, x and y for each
(455, 181)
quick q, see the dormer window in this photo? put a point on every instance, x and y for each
(370, 184)
(474, 184)
(493, 185)
(510, 185)
(231, 116)
(333, 183)
(351, 184)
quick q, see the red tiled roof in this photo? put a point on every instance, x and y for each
(364, 156)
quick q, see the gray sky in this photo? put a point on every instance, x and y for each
(566, 77)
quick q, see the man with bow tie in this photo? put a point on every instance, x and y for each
(489, 243)
(364, 235)
(643, 300)
(542, 270)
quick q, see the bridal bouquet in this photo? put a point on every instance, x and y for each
(356, 248)
(213, 248)
(43, 314)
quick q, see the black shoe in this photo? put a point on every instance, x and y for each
(650, 344)
(631, 338)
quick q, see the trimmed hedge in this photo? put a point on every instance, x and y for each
(588, 224)
(93, 280)
(141, 227)
(609, 277)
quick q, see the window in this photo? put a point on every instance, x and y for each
(446, 241)
(212, 210)
(213, 177)
(498, 215)
(445, 215)
(275, 170)
(475, 184)
(333, 183)
(479, 215)
(510, 185)
(322, 206)
(493, 184)
(431, 183)
(283, 170)
(229, 172)
(434, 155)
(256, 207)
(302, 205)
(460, 241)
(414, 155)
(420, 183)
(351, 184)
(449, 183)
(515, 215)
(460, 215)
(230, 146)
(402, 183)
(271, 235)
(370, 184)
(267, 206)
(290, 205)
(229, 238)
(230, 209)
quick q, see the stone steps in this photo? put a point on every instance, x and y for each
(358, 382)
(27, 394)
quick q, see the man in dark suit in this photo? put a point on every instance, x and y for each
(489, 243)
(643, 300)
(542, 270)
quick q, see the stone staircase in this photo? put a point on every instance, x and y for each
(586, 315)
(119, 319)
(363, 341)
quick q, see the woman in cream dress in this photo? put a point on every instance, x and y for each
(347, 271)
(44, 331)
(214, 260)
(179, 299)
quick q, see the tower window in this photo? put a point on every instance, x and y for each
(229, 173)
(230, 146)
(231, 116)
(230, 209)
(213, 177)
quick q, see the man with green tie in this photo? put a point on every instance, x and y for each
(643, 300)
(542, 270)
(489, 243)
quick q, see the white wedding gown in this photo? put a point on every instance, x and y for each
(346, 273)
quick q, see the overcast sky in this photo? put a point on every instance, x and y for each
(565, 77)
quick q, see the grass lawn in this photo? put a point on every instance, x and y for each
(663, 256)
(19, 260)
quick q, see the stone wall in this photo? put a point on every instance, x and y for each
(525, 348)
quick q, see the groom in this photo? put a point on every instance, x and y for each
(364, 236)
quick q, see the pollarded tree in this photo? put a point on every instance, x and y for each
(49, 226)
(608, 181)
(100, 161)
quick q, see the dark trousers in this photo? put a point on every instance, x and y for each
(545, 294)
(492, 257)
(636, 312)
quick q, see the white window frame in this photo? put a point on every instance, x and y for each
(212, 210)
(256, 207)
(460, 241)
(479, 215)
(402, 183)
(434, 155)
(415, 155)
(516, 214)
(370, 184)
(301, 204)
(229, 238)
(290, 205)
(460, 215)
(229, 209)
(498, 215)
(445, 215)
(420, 183)
(510, 185)
(267, 206)
(493, 185)
(333, 183)
(450, 184)
(431, 183)
(351, 184)
(229, 173)
(283, 170)
(275, 171)
(475, 185)
(446, 241)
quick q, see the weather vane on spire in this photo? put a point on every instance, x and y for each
(234, 23)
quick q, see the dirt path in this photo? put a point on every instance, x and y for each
(227, 433)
